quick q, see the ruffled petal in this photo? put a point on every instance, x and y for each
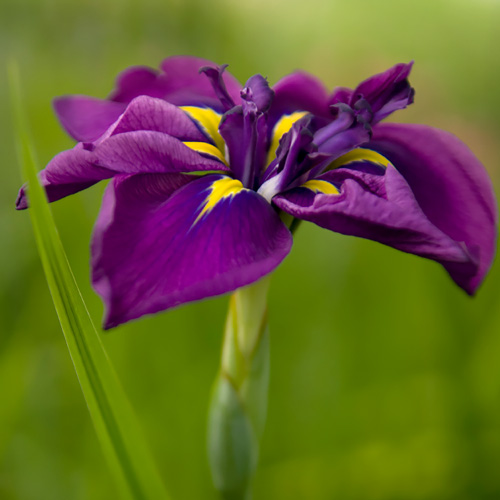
(152, 152)
(86, 118)
(67, 173)
(157, 115)
(380, 207)
(163, 240)
(450, 185)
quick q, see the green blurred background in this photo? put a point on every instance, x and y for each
(385, 380)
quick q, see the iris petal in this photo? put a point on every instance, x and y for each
(209, 122)
(152, 152)
(320, 186)
(299, 91)
(220, 190)
(155, 115)
(187, 87)
(86, 118)
(450, 185)
(360, 155)
(149, 255)
(283, 126)
(66, 174)
(206, 148)
(380, 207)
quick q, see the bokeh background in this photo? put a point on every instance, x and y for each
(385, 380)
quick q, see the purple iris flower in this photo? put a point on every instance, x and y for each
(204, 172)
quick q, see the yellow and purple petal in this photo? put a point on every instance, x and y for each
(138, 142)
(155, 115)
(377, 203)
(163, 240)
(146, 151)
(299, 91)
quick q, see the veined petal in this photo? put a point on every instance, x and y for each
(156, 115)
(67, 173)
(209, 121)
(450, 185)
(152, 152)
(380, 207)
(152, 253)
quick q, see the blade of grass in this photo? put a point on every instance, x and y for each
(116, 424)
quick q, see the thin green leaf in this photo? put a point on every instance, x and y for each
(115, 422)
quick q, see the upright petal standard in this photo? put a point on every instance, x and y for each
(204, 171)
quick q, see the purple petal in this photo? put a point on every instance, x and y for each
(186, 86)
(299, 92)
(151, 152)
(258, 92)
(86, 118)
(381, 208)
(385, 92)
(290, 162)
(179, 82)
(67, 173)
(231, 128)
(341, 135)
(139, 80)
(215, 76)
(153, 249)
(450, 185)
(156, 115)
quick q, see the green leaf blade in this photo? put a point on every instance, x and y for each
(116, 425)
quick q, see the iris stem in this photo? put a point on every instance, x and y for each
(238, 406)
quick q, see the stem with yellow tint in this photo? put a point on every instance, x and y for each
(239, 401)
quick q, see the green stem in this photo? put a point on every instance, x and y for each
(239, 401)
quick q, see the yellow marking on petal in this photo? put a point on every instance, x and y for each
(220, 190)
(209, 121)
(320, 186)
(283, 125)
(205, 147)
(359, 154)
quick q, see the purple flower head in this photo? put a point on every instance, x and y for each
(201, 169)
